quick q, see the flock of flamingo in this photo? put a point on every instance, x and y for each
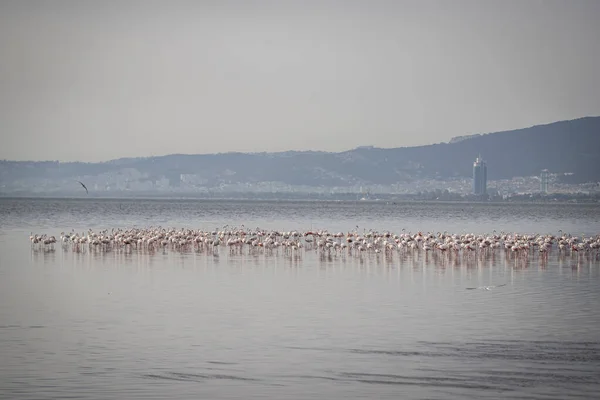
(237, 240)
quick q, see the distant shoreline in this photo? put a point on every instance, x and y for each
(384, 199)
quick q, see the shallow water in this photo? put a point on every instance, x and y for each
(304, 325)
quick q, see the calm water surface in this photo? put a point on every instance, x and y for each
(294, 326)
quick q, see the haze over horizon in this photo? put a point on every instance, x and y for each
(94, 81)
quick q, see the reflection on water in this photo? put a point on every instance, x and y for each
(302, 324)
(416, 260)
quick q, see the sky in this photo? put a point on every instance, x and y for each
(98, 80)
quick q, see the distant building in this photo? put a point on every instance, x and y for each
(174, 178)
(479, 177)
(544, 181)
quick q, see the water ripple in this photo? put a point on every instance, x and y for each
(193, 377)
(512, 350)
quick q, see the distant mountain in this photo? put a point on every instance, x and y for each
(561, 147)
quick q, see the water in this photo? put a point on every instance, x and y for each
(294, 326)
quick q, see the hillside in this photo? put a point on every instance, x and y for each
(566, 146)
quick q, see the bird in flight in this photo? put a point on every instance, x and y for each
(485, 287)
(86, 191)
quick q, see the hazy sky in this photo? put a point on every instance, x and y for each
(97, 80)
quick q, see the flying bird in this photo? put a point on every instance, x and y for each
(86, 191)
